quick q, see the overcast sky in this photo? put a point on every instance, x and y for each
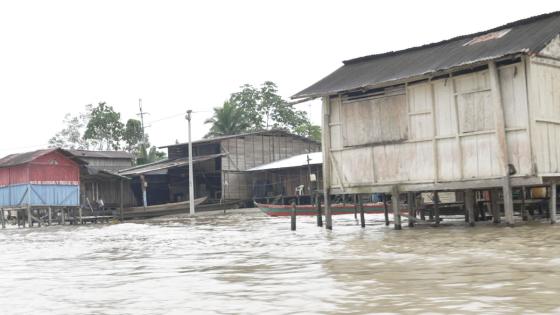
(58, 56)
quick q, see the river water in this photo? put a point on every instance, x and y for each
(253, 264)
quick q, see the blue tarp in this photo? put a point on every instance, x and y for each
(40, 195)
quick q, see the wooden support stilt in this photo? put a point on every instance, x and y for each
(50, 216)
(411, 208)
(62, 218)
(553, 204)
(495, 206)
(18, 218)
(328, 213)
(319, 214)
(469, 205)
(436, 207)
(3, 218)
(386, 209)
(524, 213)
(362, 216)
(80, 215)
(396, 207)
(355, 201)
(121, 208)
(29, 220)
(293, 217)
(326, 149)
(38, 217)
(508, 202)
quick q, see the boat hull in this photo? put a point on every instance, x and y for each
(160, 210)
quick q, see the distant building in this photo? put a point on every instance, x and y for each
(219, 166)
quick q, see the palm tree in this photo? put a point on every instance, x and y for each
(227, 120)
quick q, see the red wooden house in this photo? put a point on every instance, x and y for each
(40, 178)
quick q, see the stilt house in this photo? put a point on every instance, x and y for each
(42, 178)
(475, 111)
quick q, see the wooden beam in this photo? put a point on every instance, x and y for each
(553, 203)
(469, 205)
(500, 126)
(326, 146)
(396, 207)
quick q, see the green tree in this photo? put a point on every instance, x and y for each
(149, 156)
(133, 135)
(105, 127)
(70, 137)
(264, 109)
(227, 120)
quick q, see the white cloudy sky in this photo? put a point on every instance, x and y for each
(57, 56)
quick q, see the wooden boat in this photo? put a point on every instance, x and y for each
(160, 210)
(336, 209)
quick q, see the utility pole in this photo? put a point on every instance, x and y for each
(191, 177)
(141, 114)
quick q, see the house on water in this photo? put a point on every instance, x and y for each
(37, 180)
(220, 165)
(479, 111)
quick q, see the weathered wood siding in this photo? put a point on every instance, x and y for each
(249, 151)
(544, 74)
(434, 131)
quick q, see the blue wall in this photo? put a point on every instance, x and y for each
(41, 195)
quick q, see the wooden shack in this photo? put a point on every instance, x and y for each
(219, 165)
(100, 181)
(479, 111)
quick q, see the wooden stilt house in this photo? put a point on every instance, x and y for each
(479, 111)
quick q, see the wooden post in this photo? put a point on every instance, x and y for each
(469, 204)
(293, 218)
(38, 217)
(62, 219)
(18, 219)
(435, 200)
(362, 216)
(396, 207)
(386, 209)
(3, 218)
(319, 214)
(29, 219)
(411, 208)
(326, 148)
(50, 216)
(80, 215)
(502, 139)
(355, 201)
(553, 203)
(495, 206)
(143, 183)
(121, 208)
(524, 214)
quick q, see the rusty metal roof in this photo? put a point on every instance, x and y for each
(26, 157)
(102, 154)
(260, 132)
(165, 164)
(521, 37)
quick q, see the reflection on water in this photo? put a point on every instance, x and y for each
(249, 263)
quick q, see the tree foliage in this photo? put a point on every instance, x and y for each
(133, 134)
(105, 127)
(253, 109)
(71, 136)
(227, 120)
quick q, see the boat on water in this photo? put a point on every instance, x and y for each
(160, 210)
(336, 209)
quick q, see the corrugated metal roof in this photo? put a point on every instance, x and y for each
(102, 154)
(165, 164)
(294, 161)
(220, 138)
(525, 36)
(26, 157)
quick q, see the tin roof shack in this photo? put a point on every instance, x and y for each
(224, 177)
(475, 111)
(288, 179)
(100, 180)
(219, 166)
(42, 178)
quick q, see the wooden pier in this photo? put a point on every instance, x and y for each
(37, 217)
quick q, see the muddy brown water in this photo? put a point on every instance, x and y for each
(253, 264)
